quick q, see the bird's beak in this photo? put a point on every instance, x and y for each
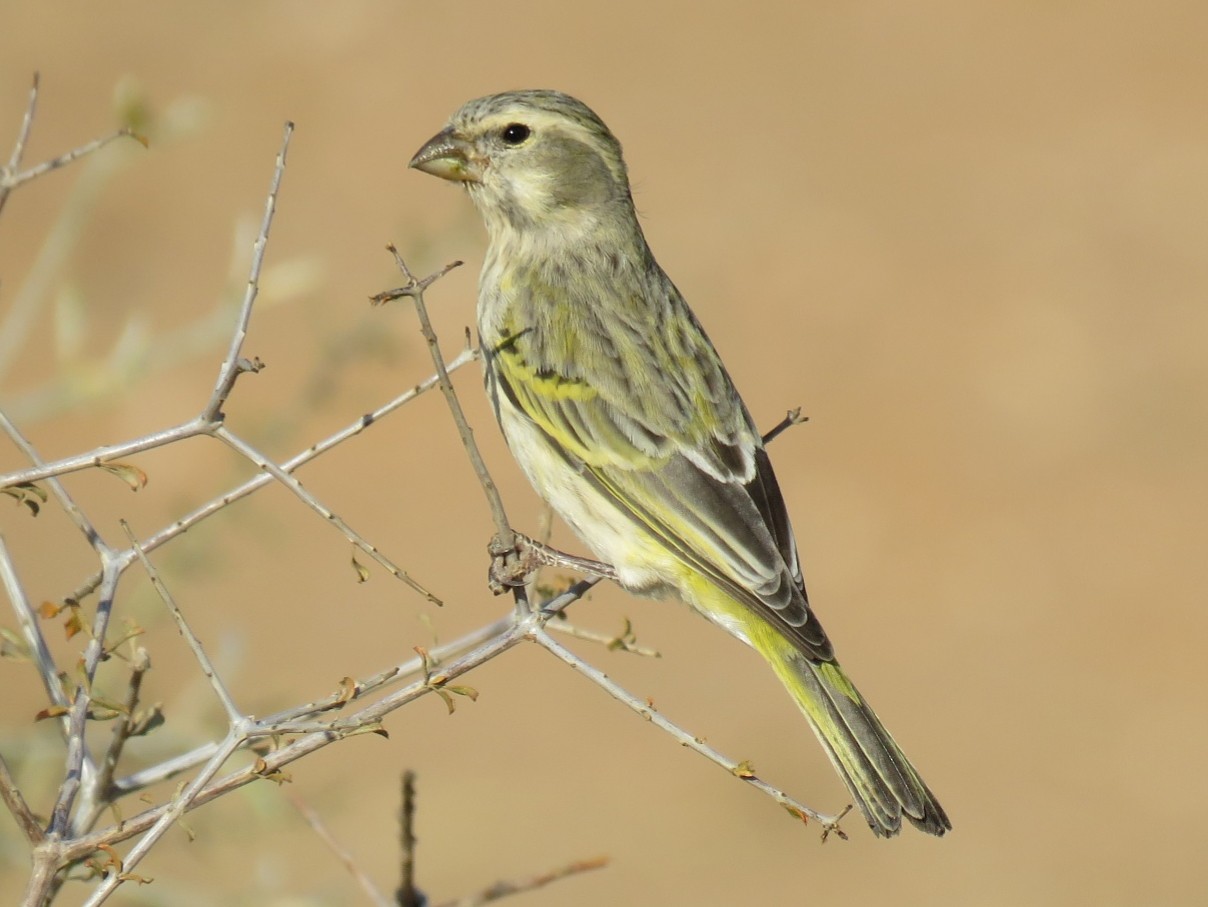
(449, 156)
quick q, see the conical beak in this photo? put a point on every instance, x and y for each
(448, 156)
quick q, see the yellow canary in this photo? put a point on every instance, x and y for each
(619, 410)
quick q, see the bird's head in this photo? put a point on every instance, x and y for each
(531, 161)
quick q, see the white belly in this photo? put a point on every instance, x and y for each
(643, 565)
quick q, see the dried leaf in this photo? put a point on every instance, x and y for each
(131, 475)
(115, 860)
(425, 659)
(361, 569)
(54, 711)
(261, 768)
(348, 689)
(73, 624)
(744, 769)
(49, 610)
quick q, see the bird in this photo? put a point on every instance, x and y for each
(618, 409)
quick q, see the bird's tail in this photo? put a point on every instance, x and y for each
(880, 777)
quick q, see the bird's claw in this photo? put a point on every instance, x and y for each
(511, 565)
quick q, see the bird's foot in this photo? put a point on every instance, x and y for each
(511, 565)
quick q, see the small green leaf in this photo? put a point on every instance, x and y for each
(12, 645)
(116, 708)
(25, 493)
(373, 727)
(469, 692)
(449, 703)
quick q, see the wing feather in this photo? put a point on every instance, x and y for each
(676, 453)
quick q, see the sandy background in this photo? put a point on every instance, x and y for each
(969, 239)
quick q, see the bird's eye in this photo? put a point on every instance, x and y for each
(515, 133)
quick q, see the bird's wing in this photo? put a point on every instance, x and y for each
(676, 452)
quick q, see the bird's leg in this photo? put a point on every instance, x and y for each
(514, 565)
(552, 557)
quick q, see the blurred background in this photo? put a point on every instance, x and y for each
(968, 239)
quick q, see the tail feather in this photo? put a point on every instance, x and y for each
(884, 784)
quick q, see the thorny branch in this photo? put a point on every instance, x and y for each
(11, 176)
(408, 895)
(509, 887)
(414, 288)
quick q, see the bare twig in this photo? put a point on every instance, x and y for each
(214, 505)
(27, 123)
(414, 288)
(11, 794)
(39, 651)
(32, 294)
(73, 511)
(13, 180)
(11, 177)
(234, 716)
(176, 808)
(564, 600)
(106, 453)
(234, 364)
(123, 728)
(311, 738)
(359, 689)
(791, 418)
(238, 444)
(408, 895)
(740, 770)
(625, 641)
(315, 821)
(14, 160)
(504, 889)
(80, 771)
